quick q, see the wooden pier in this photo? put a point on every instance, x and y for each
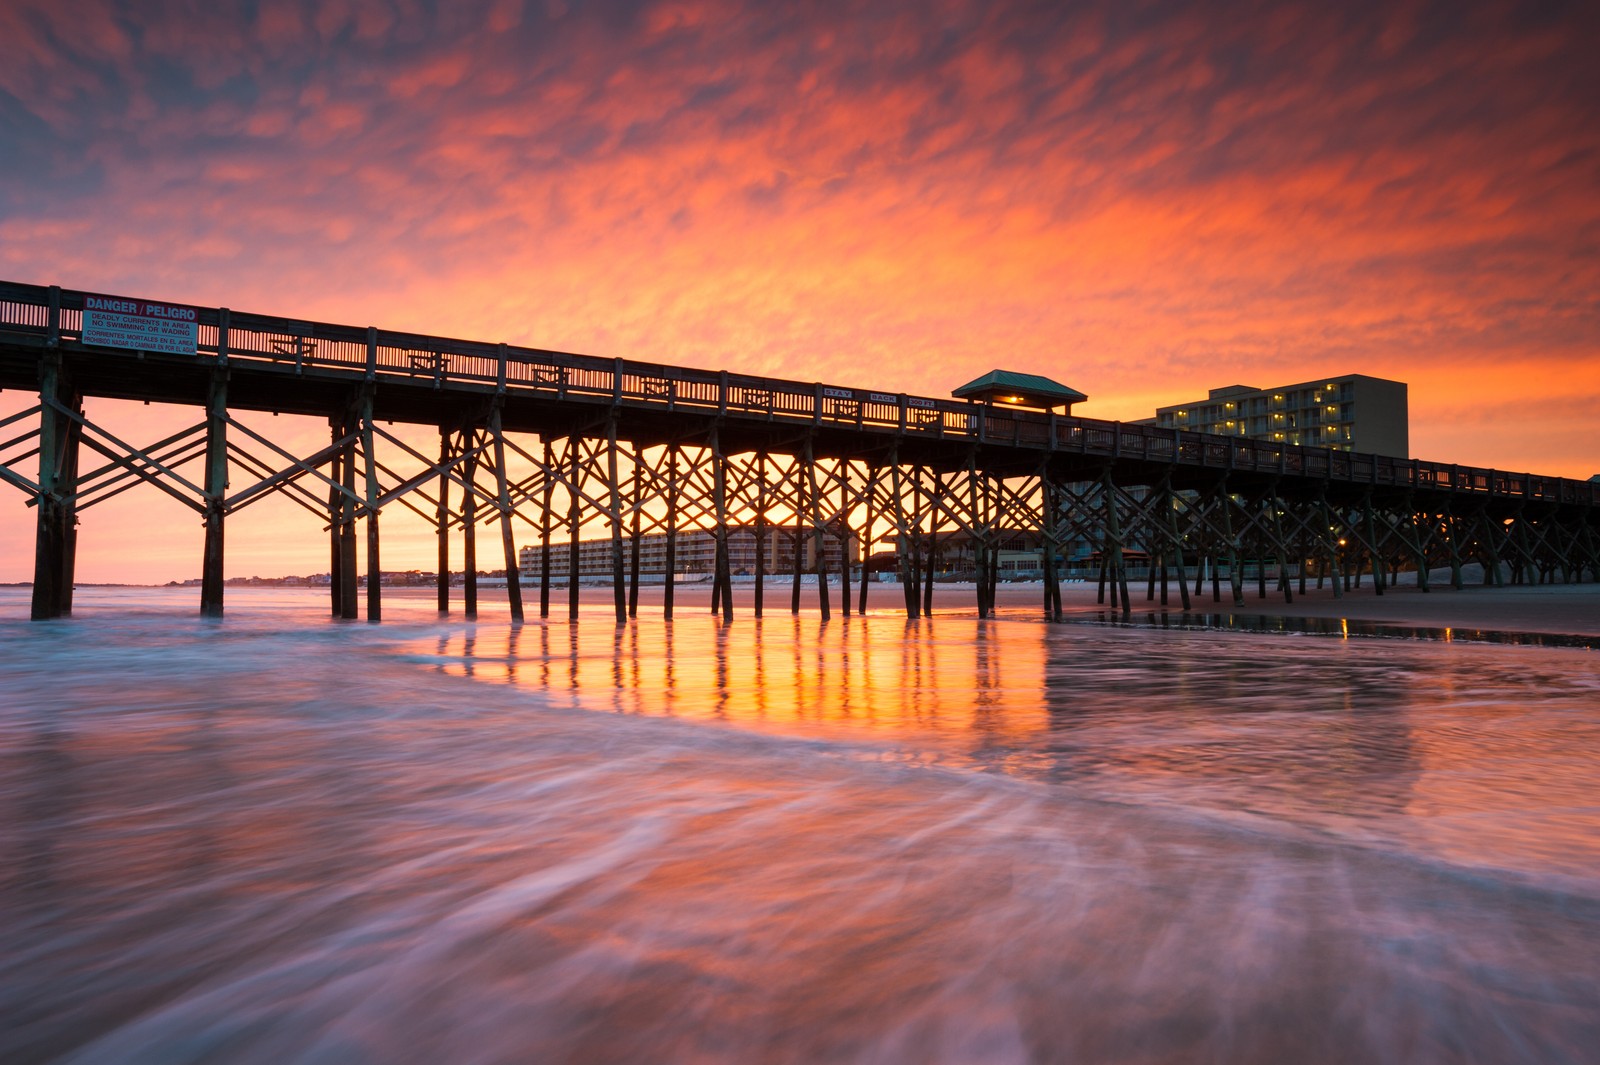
(641, 448)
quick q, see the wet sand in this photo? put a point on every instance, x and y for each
(1571, 609)
(1566, 609)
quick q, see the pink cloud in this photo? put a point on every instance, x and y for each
(1137, 203)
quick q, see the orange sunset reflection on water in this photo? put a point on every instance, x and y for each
(281, 837)
(1356, 732)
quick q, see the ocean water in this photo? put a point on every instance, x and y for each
(280, 838)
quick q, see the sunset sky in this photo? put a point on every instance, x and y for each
(1143, 201)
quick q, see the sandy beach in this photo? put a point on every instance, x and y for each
(1572, 609)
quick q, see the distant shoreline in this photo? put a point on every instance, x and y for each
(1560, 609)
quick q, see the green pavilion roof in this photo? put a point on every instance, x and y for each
(1021, 389)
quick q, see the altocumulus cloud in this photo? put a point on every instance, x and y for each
(1144, 200)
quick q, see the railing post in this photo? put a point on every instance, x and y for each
(54, 340)
(372, 352)
(722, 392)
(500, 372)
(222, 336)
(616, 381)
(902, 412)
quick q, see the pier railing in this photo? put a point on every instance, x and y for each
(305, 347)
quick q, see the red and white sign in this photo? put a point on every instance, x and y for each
(116, 322)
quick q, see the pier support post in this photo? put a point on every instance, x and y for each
(672, 530)
(544, 529)
(930, 560)
(574, 521)
(1049, 508)
(374, 557)
(619, 590)
(349, 574)
(216, 489)
(1169, 504)
(443, 518)
(1235, 577)
(1113, 545)
(904, 537)
(721, 575)
(635, 533)
(469, 523)
(503, 497)
(55, 545)
(844, 537)
(818, 537)
(1281, 544)
(761, 530)
(1331, 546)
(335, 518)
(1374, 556)
(865, 541)
(802, 510)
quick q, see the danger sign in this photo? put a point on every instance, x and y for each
(116, 322)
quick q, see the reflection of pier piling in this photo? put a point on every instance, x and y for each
(569, 448)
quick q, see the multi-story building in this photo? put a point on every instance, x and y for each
(1350, 413)
(695, 553)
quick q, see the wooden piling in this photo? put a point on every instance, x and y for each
(761, 531)
(374, 557)
(503, 497)
(544, 528)
(672, 530)
(336, 518)
(818, 539)
(469, 523)
(721, 577)
(574, 521)
(619, 591)
(442, 520)
(348, 572)
(216, 490)
(55, 539)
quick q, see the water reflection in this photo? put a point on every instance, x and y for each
(869, 840)
(1331, 736)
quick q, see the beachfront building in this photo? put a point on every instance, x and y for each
(1017, 554)
(695, 554)
(1350, 413)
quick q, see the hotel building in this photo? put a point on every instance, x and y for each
(1350, 413)
(696, 553)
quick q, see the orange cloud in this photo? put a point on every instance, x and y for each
(1142, 202)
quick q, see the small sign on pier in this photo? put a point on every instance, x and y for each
(164, 328)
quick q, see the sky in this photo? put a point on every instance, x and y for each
(1141, 200)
